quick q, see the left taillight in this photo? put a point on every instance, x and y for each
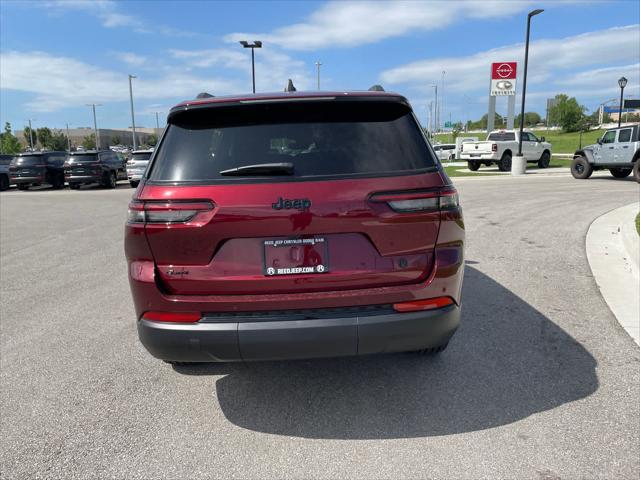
(419, 201)
(166, 212)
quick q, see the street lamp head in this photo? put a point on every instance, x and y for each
(255, 44)
(536, 12)
(622, 82)
(132, 76)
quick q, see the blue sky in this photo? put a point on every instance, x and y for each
(56, 56)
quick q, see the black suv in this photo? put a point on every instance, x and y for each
(5, 160)
(104, 167)
(38, 168)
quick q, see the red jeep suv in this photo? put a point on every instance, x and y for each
(294, 225)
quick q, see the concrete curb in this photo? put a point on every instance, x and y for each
(613, 257)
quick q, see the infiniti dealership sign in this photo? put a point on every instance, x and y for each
(503, 78)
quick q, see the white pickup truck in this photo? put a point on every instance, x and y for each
(501, 145)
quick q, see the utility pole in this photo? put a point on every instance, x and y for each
(68, 139)
(157, 122)
(436, 118)
(30, 135)
(431, 119)
(95, 123)
(318, 68)
(133, 118)
(442, 111)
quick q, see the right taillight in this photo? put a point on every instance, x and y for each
(419, 201)
(166, 212)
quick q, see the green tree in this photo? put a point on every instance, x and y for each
(89, 142)
(567, 113)
(58, 141)
(152, 139)
(115, 140)
(44, 137)
(30, 135)
(9, 143)
(530, 119)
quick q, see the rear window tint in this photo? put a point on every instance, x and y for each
(82, 158)
(320, 139)
(28, 160)
(141, 156)
(503, 137)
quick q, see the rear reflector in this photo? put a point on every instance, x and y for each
(185, 317)
(419, 305)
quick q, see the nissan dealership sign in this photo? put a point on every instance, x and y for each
(503, 78)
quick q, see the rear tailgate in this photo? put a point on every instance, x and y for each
(364, 244)
(477, 147)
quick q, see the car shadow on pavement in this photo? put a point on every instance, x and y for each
(506, 362)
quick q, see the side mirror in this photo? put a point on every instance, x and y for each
(542, 139)
(599, 141)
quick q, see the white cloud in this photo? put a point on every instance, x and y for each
(108, 12)
(66, 82)
(348, 24)
(552, 62)
(131, 58)
(273, 68)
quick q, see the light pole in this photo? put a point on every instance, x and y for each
(318, 68)
(622, 83)
(133, 118)
(430, 119)
(68, 138)
(524, 80)
(437, 124)
(95, 123)
(30, 135)
(442, 112)
(157, 121)
(252, 46)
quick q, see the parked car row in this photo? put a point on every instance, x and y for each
(57, 168)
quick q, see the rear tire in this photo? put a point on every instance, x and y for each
(504, 165)
(4, 183)
(23, 186)
(544, 161)
(620, 172)
(58, 182)
(636, 170)
(134, 184)
(74, 186)
(109, 180)
(473, 165)
(581, 168)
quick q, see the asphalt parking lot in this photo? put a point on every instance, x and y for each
(540, 381)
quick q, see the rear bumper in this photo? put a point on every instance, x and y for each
(481, 156)
(20, 180)
(83, 178)
(228, 340)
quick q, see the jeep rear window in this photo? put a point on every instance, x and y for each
(28, 160)
(502, 137)
(82, 158)
(338, 138)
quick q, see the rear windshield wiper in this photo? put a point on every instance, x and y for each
(285, 168)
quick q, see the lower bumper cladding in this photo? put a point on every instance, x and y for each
(285, 336)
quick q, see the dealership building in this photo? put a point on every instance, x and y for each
(108, 137)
